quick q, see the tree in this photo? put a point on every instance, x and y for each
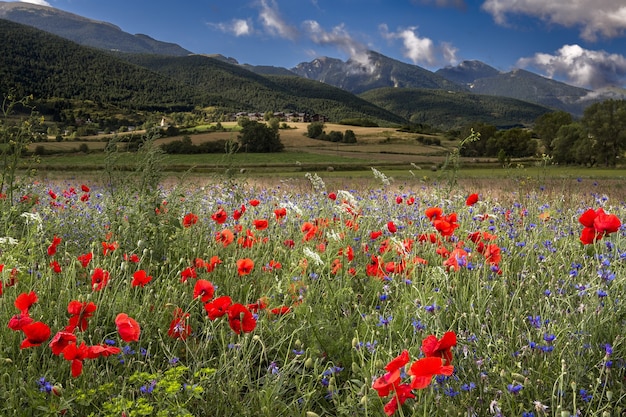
(547, 126)
(349, 136)
(606, 124)
(566, 140)
(315, 129)
(259, 137)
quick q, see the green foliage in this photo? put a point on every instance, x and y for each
(548, 125)
(447, 110)
(605, 122)
(259, 137)
(185, 146)
(315, 129)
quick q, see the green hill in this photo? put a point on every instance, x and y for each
(454, 109)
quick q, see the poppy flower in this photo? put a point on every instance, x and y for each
(280, 311)
(84, 188)
(96, 351)
(189, 272)
(77, 354)
(213, 262)
(80, 312)
(399, 200)
(260, 224)
(55, 267)
(179, 328)
(225, 237)
(402, 393)
(218, 307)
(134, 258)
(254, 202)
(52, 194)
(127, 327)
(60, 341)
(108, 247)
(220, 216)
(391, 226)
(240, 319)
(52, 249)
(203, 289)
(471, 199)
(431, 346)
(24, 301)
(387, 383)
(433, 213)
(140, 278)
(597, 224)
(36, 333)
(376, 234)
(85, 259)
(280, 213)
(245, 266)
(332, 196)
(99, 279)
(19, 321)
(190, 219)
(410, 201)
(424, 369)
(446, 225)
(606, 223)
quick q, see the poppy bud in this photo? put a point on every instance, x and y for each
(57, 390)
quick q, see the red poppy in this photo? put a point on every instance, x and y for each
(189, 272)
(260, 224)
(433, 213)
(179, 328)
(36, 333)
(309, 230)
(332, 196)
(220, 216)
(240, 319)
(24, 301)
(84, 188)
(218, 307)
(471, 199)
(203, 289)
(52, 249)
(597, 224)
(140, 278)
(391, 226)
(225, 237)
(127, 327)
(376, 234)
(85, 259)
(458, 257)
(19, 321)
(213, 262)
(52, 194)
(254, 202)
(102, 350)
(190, 219)
(410, 201)
(388, 382)
(402, 393)
(76, 354)
(55, 267)
(280, 213)
(431, 346)
(398, 200)
(245, 266)
(60, 342)
(424, 369)
(99, 279)
(280, 311)
(606, 223)
(80, 312)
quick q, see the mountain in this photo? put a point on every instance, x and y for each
(454, 109)
(467, 72)
(480, 78)
(378, 71)
(85, 31)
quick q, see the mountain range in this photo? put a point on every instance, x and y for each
(465, 82)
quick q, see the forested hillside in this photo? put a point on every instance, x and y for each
(447, 109)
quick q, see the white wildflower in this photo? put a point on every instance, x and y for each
(292, 207)
(382, 177)
(316, 181)
(313, 256)
(8, 241)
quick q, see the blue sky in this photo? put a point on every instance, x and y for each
(581, 42)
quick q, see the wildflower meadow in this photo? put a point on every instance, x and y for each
(226, 298)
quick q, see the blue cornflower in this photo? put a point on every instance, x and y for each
(468, 387)
(514, 388)
(44, 386)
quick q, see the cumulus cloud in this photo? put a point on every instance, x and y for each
(273, 22)
(237, 27)
(581, 67)
(596, 18)
(339, 38)
(421, 50)
(39, 2)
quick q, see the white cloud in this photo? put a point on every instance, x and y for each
(339, 38)
(39, 2)
(273, 22)
(421, 50)
(581, 67)
(605, 18)
(237, 27)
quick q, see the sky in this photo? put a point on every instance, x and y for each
(581, 42)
